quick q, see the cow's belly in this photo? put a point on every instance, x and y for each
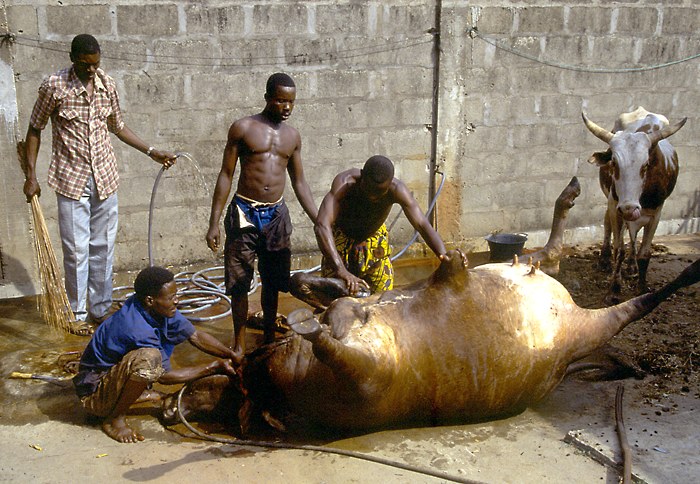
(492, 350)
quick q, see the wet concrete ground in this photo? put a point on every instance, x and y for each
(46, 437)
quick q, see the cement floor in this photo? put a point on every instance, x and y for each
(569, 437)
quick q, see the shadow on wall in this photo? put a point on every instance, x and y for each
(690, 215)
(13, 274)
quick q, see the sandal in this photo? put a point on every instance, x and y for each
(81, 328)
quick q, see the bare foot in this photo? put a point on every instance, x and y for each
(80, 328)
(120, 431)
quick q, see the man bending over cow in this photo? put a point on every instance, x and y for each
(132, 349)
(353, 238)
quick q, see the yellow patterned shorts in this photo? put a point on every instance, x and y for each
(367, 259)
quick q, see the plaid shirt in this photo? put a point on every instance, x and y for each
(81, 146)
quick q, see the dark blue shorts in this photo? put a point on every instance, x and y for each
(271, 245)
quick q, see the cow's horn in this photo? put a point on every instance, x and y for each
(657, 136)
(600, 133)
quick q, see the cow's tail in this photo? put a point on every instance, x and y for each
(599, 325)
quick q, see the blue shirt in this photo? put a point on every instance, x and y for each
(128, 329)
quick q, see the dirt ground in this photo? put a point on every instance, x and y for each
(569, 437)
(664, 345)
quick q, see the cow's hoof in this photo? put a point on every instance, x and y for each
(630, 270)
(604, 266)
(568, 195)
(169, 415)
(303, 322)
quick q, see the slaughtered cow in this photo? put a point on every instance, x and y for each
(463, 345)
(637, 174)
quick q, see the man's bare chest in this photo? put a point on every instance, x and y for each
(269, 142)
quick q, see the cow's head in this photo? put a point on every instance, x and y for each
(628, 160)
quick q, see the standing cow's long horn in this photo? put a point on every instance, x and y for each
(657, 136)
(600, 133)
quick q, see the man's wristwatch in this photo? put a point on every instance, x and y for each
(149, 150)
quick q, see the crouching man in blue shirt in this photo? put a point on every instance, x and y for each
(132, 349)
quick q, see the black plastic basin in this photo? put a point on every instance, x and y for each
(504, 246)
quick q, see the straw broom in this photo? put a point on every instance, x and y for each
(53, 301)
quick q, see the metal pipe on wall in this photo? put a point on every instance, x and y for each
(435, 105)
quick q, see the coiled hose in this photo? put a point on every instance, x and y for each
(201, 292)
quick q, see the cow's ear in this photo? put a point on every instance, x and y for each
(600, 158)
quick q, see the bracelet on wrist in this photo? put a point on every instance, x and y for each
(150, 150)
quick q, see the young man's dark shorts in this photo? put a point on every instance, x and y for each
(268, 238)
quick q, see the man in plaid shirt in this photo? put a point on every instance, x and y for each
(83, 105)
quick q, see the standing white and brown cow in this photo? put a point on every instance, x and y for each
(637, 173)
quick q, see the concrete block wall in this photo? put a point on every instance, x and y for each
(17, 268)
(510, 135)
(186, 70)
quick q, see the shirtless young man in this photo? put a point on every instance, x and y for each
(352, 236)
(257, 222)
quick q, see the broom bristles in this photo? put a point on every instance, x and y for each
(53, 302)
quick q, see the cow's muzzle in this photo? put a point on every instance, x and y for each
(630, 211)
